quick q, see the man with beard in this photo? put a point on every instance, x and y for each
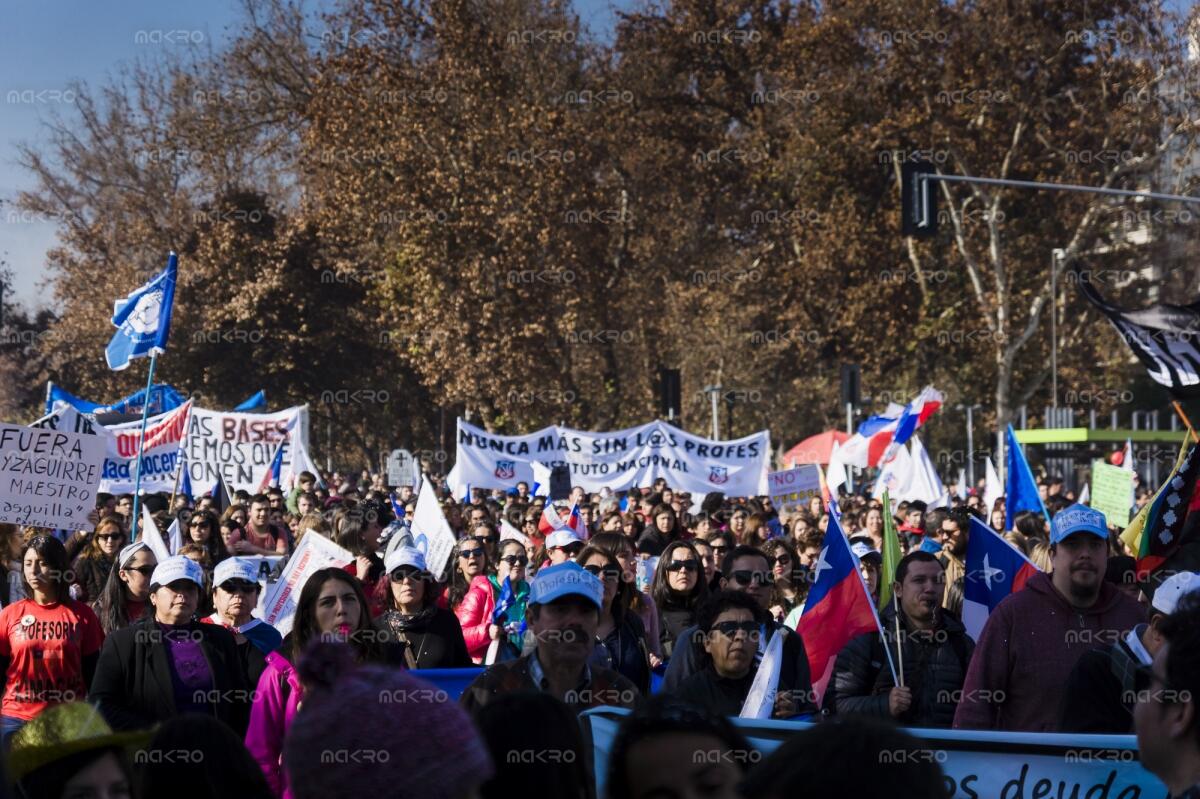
(936, 652)
(955, 529)
(563, 614)
(1034, 637)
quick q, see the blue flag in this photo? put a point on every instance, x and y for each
(1020, 489)
(256, 403)
(185, 483)
(163, 398)
(397, 508)
(503, 602)
(143, 319)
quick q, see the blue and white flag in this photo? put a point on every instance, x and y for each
(143, 320)
(257, 402)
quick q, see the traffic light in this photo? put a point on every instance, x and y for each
(918, 200)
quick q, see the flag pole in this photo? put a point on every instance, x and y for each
(175, 488)
(137, 478)
(1183, 416)
(899, 641)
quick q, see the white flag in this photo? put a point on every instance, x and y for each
(507, 531)
(993, 490)
(835, 475)
(152, 537)
(431, 532)
(926, 485)
(760, 701)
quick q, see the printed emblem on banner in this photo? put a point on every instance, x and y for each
(505, 470)
(718, 475)
(658, 440)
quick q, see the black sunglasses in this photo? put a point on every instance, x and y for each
(239, 586)
(470, 553)
(731, 628)
(746, 577)
(780, 559)
(487, 539)
(604, 572)
(403, 573)
(145, 571)
(682, 565)
(109, 536)
(515, 560)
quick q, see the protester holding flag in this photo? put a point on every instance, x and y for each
(432, 635)
(928, 644)
(1034, 637)
(92, 567)
(49, 643)
(730, 624)
(235, 595)
(564, 612)
(1101, 692)
(620, 636)
(333, 607)
(126, 594)
(745, 569)
(478, 611)
(167, 663)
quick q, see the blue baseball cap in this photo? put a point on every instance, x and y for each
(1077, 519)
(565, 579)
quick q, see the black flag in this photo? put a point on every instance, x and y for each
(1163, 336)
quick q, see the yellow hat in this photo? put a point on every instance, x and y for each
(62, 731)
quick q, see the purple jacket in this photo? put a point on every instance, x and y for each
(1027, 650)
(271, 715)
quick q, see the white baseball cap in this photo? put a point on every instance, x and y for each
(404, 556)
(176, 568)
(1173, 589)
(562, 538)
(235, 569)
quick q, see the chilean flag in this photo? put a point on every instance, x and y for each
(914, 415)
(838, 607)
(271, 478)
(877, 438)
(551, 521)
(994, 569)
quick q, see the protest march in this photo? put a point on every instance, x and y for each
(650, 401)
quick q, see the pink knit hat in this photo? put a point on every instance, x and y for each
(377, 731)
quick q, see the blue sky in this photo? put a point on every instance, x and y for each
(44, 46)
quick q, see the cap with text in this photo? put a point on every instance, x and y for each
(176, 568)
(565, 579)
(1078, 519)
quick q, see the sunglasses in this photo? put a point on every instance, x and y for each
(781, 560)
(746, 577)
(199, 523)
(571, 549)
(604, 572)
(110, 536)
(515, 560)
(407, 573)
(145, 571)
(467, 554)
(239, 587)
(487, 539)
(731, 628)
(682, 566)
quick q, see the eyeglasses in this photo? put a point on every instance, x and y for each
(467, 554)
(731, 628)
(487, 539)
(682, 565)
(145, 571)
(531, 521)
(609, 573)
(110, 536)
(239, 586)
(571, 549)
(198, 523)
(781, 560)
(746, 577)
(515, 560)
(407, 573)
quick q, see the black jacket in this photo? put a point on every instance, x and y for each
(934, 668)
(625, 648)
(652, 542)
(1099, 694)
(133, 686)
(436, 641)
(720, 695)
(673, 619)
(689, 658)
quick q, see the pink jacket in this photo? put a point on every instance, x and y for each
(271, 715)
(475, 615)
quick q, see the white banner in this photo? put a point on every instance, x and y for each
(794, 486)
(239, 446)
(315, 552)
(160, 457)
(431, 532)
(618, 460)
(48, 477)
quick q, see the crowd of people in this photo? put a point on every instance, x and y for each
(656, 602)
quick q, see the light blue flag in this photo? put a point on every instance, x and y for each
(256, 403)
(1020, 490)
(143, 320)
